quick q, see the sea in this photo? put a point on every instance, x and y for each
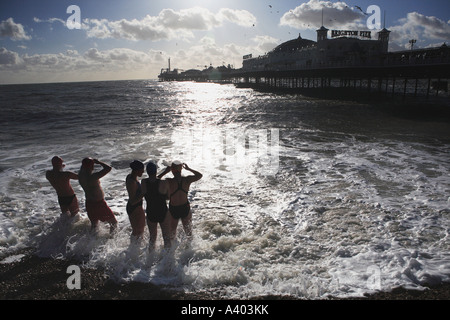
(301, 196)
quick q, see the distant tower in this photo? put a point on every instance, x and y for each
(322, 34)
(383, 36)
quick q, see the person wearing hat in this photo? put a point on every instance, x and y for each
(156, 194)
(96, 206)
(179, 206)
(60, 181)
(135, 211)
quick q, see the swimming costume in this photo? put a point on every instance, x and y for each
(69, 203)
(99, 210)
(179, 188)
(132, 207)
(66, 200)
(156, 202)
(180, 212)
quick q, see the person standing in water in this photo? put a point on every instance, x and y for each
(156, 193)
(96, 207)
(135, 211)
(179, 206)
(60, 181)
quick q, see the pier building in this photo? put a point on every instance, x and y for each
(345, 48)
(348, 61)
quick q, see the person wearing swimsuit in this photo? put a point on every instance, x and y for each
(60, 181)
(179, 206)
(156, 194)
(134, 205)
(96, 207)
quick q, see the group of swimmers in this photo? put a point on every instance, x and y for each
(153, 189)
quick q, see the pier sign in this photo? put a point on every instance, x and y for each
(352, 33)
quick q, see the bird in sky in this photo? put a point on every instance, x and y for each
(359, 8)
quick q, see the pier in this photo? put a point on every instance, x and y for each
(417, 80)
(412, 80)
(339, 66)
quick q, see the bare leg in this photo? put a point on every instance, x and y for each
(166, 231)
(112, 226)
(153, 230)
(137, 221)
(187, 225)
(94, 226)
(173, 228)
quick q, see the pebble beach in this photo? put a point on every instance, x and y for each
(35, 278)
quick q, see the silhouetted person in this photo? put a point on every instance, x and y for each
(135, 211)
(60, 180)
(96, 207)
(179, 206)
(156, 194)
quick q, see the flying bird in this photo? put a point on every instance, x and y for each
(359, 8)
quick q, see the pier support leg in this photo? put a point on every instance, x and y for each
(415, 88)
(437, 86)
(393, 86)
(404, 87)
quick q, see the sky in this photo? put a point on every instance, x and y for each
(134, 39)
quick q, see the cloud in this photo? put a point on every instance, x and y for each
(8, 58)
(335, 15)
(15, 31)
(168, 24)
(264, 44)
(71, 65)
(420, 27)
(117, 63)
(240, 17)
(93, 59)
(51, 20)
(119, 56)
(205, 52)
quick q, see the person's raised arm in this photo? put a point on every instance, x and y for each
(72, 175)
(162, 174)
(197, 175)
(106, 169)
